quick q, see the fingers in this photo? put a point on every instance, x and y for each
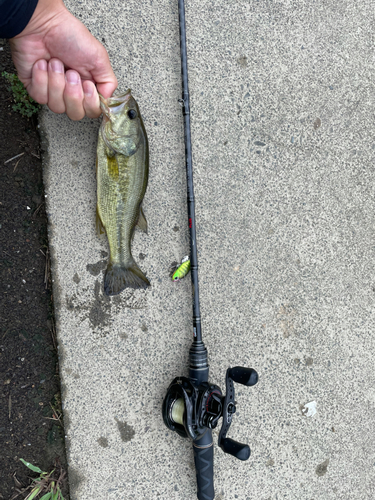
(73, 96)
(91, 102)
(38, 87)
(56, 86)
(63, 92)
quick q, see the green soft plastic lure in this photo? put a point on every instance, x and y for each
(182, 270)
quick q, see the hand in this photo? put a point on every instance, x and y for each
(60, 62)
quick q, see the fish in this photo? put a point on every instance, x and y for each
(122, 165)
(182, 270)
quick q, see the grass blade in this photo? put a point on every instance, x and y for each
(33, 494)
(30, 466)
(47, 496)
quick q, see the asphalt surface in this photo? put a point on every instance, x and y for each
(282, 126)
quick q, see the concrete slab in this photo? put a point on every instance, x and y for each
(282, 116)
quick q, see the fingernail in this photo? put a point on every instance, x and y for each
(57, 66)
(42, 65)
(72, 77)
(88, 91)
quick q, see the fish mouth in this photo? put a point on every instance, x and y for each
(126, 144)
(115, 104)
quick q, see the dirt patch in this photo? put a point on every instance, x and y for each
(29, 377)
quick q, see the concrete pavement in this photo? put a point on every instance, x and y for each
(282, 103)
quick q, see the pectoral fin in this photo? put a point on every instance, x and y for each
(142, 222)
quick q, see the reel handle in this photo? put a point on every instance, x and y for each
(238, 450)
(244, 376)
(204, 466)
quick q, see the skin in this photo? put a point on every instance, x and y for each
(61, 64)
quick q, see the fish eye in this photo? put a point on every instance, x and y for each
(132, 114)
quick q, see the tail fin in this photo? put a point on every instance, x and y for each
(118, 277)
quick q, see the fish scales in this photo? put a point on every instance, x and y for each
(122, 176)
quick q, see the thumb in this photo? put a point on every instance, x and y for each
(103, 75)
(106, 89)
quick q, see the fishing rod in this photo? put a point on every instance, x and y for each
(192, 406)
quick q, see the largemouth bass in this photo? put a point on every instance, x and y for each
(122, 175)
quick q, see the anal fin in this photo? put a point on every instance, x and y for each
(100, 229)
(142, 222)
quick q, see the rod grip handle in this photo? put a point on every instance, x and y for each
(204, 466)
(244, 376)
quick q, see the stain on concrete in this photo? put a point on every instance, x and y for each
(321, 469)
(176, 228)
(76, 278)
(286, 317)
(242, 61)
(144, 327)
(126, 431)
(100, 312)
(95, 269)
(309, 361)
(270, 462)
(100, 309)
(141, 256)
(123, 335)
(70, 302)
(103, 442)
(317, 123)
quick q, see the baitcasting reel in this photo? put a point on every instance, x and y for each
(190, 410)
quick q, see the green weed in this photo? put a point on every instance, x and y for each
(23, 103)
(45, 484)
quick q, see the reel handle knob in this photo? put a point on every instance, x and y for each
(244, 376)
(238, 450)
